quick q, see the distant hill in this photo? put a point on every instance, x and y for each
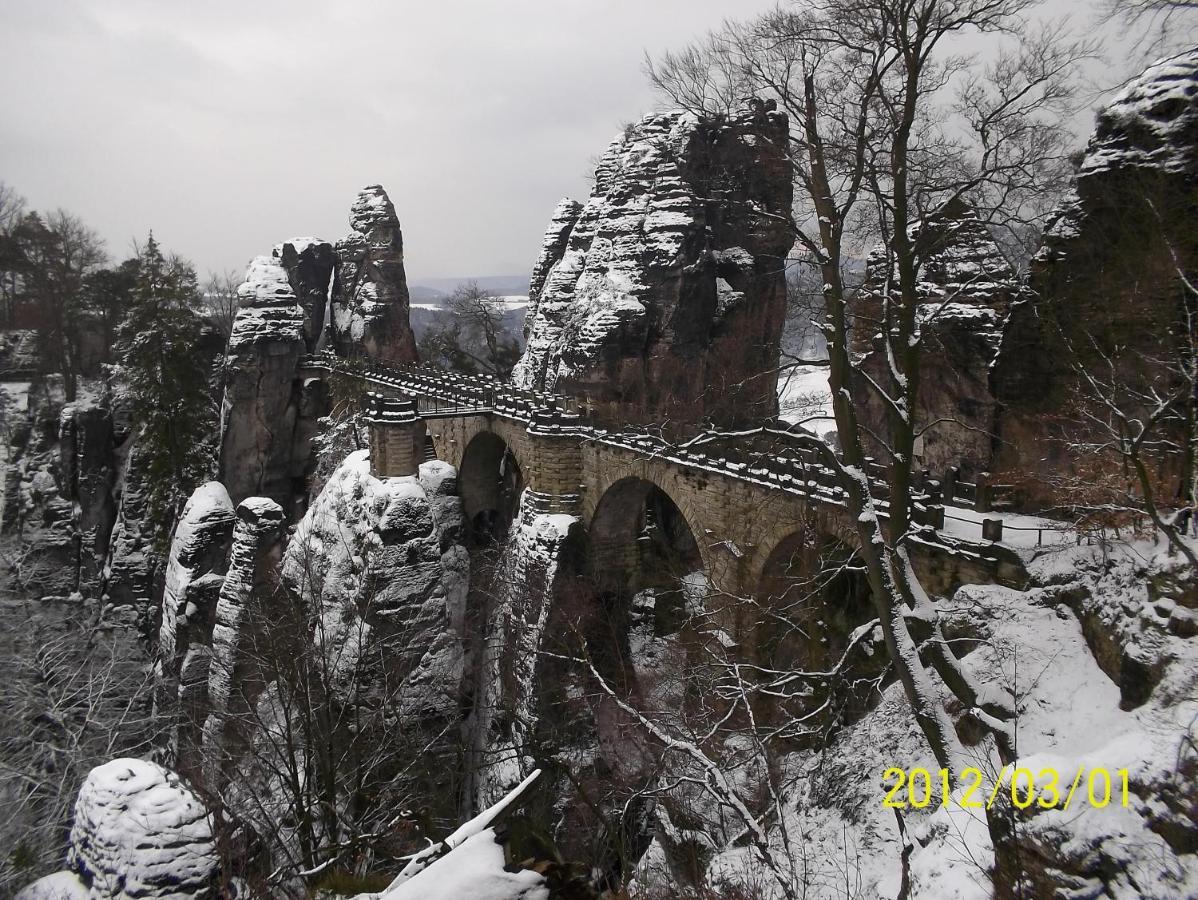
(499, 284)
(418, 293)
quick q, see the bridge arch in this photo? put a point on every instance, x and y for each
(490, 482)
(815, 582)
(641, 538)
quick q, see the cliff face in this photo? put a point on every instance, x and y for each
(309, 263)
(966, 289)
(1105, 285)
(379, 568)
(269, 416)
(370, 294)
(662, 298)
(243, 617)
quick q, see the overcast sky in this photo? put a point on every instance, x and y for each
(229, 125)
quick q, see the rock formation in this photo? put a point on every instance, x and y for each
(663, 298)
(138, 833)
(269, 414)
(195, 570)
(507, 707)
(379, 567)
(200, 547)
(242, 614)
(60, 483)
(966, 288)
(370, 293)
(1105, 285)
(310, 263)
(260, 406)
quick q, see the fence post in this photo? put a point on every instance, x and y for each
(982, 500)
(950, 484)
(992, 530)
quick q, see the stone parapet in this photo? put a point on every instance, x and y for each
(396, 436)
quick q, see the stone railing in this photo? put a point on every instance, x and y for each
(788, 466)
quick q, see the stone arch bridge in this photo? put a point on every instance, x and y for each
(740, 505)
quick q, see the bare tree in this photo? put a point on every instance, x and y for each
(888, 125)
(1133, 414)
(320, 770)
(220, 300)
(12, 209)
(77, 695)
(56, 254)
(473, 336)
(1162, 23)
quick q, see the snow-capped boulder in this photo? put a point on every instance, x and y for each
(664, 296)
(138, 833)
(59, 886)
(370, 293)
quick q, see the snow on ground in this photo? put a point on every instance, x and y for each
(804, 398)
(1022, 532)
(1069, 715)
(474, 870)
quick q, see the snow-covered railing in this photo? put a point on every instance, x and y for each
(791, 467)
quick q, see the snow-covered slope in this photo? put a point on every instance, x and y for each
(1056, 646)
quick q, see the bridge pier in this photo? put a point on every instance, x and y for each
(555, 477)
(396, 436)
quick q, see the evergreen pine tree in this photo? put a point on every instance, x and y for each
(166, 372)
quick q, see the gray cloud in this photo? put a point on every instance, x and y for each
(227, 126)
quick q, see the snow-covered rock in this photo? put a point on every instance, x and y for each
(195, 568)
(200, 546)
(664, 295)
(1071, 713)
(476, 869)
(139, 834)
(1105, 286)
(249, 587)
(471, 862)
(379, 566)
(966, 287)
(1151, 123)
(59, 886)
(507, 706)
(370, 293)
(260, 404)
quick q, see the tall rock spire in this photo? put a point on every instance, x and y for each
(663, 297)
(370, 292)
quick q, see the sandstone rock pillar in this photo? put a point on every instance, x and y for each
(235, 676)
